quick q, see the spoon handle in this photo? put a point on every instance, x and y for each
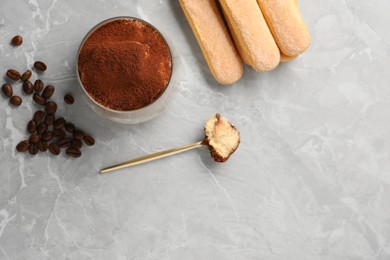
(153, 156)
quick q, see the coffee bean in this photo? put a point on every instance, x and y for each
(54, 149)
(59, 133)
(7, 90)
(69, 99)
(49, 119)
(42, 127)
(47, 136)
(64, 142)
(38, 99)
(28, 87)
(13, 74)
(38, 85)
(38, 116)
(76, 144)
(59, 123)
(40, 66)
(33, 149)
(45, 146)
(15, 101)
(73, 152)
(69, 127)
(31, 126)
(48, 91)
(89, 140)
(51, 107)
(22, 146)
(42, 146)
(26, 75)
(78, 134)
(17, 40)
(34, 138)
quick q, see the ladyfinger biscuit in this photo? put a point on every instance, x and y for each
(251, 34)
(286, 25)
(214, 39)
(285, 58)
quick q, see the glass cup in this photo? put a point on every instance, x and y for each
(130, 116)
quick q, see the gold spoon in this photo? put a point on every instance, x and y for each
(153, 156)
(222, 138)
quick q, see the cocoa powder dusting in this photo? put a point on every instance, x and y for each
(125, 65)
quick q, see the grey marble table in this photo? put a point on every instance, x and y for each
(310, 180)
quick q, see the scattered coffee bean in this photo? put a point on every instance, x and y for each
(40, 147)
(22, 146)
(39, 116)
(17, 40)
(40, 66)
(73, 152)
(38, 99)
(69, 99)
(51, 107)
(31, 126)
(15, 101)
(34, 138)
(48, 91)
(64, 142)
(59, 123)
(47, 136)
(13, 74)
(54, 149)
(78, 134)
(38, 85)
(26, 75)
(7, 90)
(89, 140)
(28, 87)
(43, 146)
(49, 119)
(42, 127)
(76, 144)
(69, 127)
(59, 133)
(33, 149)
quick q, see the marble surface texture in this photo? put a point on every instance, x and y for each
(310, 180)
